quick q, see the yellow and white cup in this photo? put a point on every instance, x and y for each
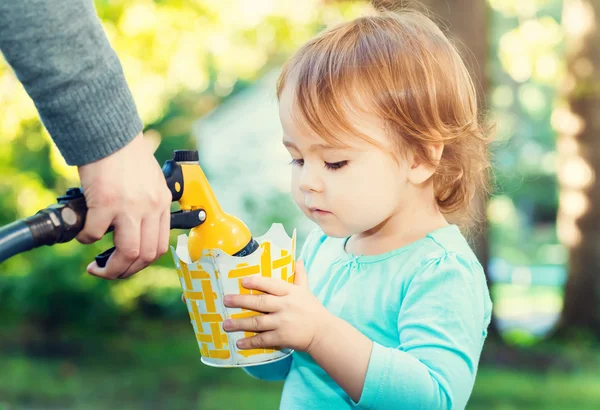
(215, 274)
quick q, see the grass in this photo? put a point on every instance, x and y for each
(512, 390)
(157, 366)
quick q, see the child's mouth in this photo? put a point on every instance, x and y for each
(319, 212)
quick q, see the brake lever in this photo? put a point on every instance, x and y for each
(179, 220)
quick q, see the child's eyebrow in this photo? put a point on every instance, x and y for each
(313, 147)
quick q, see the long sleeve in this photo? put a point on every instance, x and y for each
(442, 325)
(60, 53)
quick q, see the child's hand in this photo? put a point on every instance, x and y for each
(294, 317)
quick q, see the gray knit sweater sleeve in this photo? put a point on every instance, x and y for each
(60, 53)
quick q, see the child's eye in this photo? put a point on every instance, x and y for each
(298, 162)
(335, 165)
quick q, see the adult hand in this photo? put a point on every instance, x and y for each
(127, 190)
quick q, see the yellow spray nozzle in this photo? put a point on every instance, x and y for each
(191, 189)
(220, 229)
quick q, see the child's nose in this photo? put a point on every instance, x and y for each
(310, 181)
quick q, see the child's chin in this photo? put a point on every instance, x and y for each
(334, 232)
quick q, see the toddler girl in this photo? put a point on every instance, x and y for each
(389, 307)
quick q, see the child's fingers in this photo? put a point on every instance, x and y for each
(259, 303)
(256, 323)
(272, 286)
(265, 339)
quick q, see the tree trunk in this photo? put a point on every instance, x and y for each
(578, 146)
(467, 22)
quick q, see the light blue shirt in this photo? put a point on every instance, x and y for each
(425, 306)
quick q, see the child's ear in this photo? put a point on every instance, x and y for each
(420, 172)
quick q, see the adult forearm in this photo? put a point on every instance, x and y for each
(60, 53)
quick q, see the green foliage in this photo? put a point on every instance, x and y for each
(526, 65)
(520, 337)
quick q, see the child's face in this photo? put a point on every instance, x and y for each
(349, 190)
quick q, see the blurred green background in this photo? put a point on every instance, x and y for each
(203, 75)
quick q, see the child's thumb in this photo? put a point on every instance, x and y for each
(300, 277)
